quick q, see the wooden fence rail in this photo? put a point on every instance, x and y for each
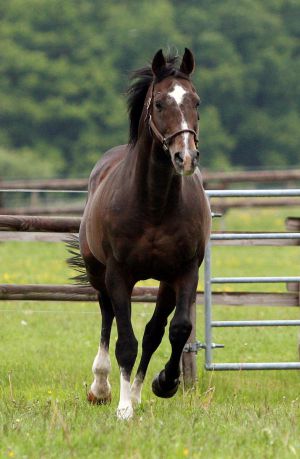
(31, 223)
(222, 178)
(226, 178)
(63, 210)
(217, 205)
(47, 292)
(54, 229)
(45, 184)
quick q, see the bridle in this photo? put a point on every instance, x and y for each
(165, 141)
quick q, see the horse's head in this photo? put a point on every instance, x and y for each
(172, 111)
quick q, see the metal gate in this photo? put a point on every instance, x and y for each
(210, 324)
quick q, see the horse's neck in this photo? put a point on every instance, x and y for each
(163, 185)
(158, 187)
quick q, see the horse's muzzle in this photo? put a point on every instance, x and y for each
(186, 162)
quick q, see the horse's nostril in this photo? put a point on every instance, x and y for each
(196, 157)
(178, 158)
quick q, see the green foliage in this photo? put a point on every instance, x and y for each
(216, 143)
(27, 163)
(64, 70)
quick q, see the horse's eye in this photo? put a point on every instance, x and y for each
(158, 106)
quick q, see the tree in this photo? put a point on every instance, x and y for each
(64, 71)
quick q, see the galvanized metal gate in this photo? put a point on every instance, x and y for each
(210, 324)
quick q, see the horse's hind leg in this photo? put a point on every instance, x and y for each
(100, 391)
(153, 335)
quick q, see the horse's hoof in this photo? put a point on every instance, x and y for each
(98, 401)
(161, 389)
(125, 413)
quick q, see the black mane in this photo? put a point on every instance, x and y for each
(141, 80)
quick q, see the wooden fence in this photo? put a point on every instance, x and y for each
(59, 292)
(215, 180)
(60, 227)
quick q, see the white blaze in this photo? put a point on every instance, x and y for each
(185, 135)
(177, 93)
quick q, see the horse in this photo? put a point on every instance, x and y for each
(147, 216)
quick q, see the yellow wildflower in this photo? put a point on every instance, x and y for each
(6, 277)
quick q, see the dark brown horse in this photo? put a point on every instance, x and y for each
(147, 216)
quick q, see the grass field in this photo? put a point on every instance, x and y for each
(47, 350)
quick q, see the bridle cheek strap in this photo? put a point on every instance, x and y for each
(165, 141)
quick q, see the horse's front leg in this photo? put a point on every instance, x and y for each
(119, 288)
(166, 383)
(153, 335)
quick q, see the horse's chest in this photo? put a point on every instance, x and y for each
(157, 252)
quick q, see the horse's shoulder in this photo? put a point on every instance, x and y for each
(105, 165)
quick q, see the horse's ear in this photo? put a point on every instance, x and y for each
(158, 63)
(188, 62)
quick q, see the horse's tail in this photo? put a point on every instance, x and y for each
(75, 261)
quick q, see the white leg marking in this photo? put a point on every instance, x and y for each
(101, 369)
(125, 410)
(136, 391)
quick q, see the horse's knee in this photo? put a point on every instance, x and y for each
(180, 330)
(126, 352)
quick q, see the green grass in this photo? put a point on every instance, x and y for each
(47, 351)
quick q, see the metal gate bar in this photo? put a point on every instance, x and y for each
(255, 323)
(208, 281)
(253, 280)
(250, 236)
(254, 366)
(253, 193)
